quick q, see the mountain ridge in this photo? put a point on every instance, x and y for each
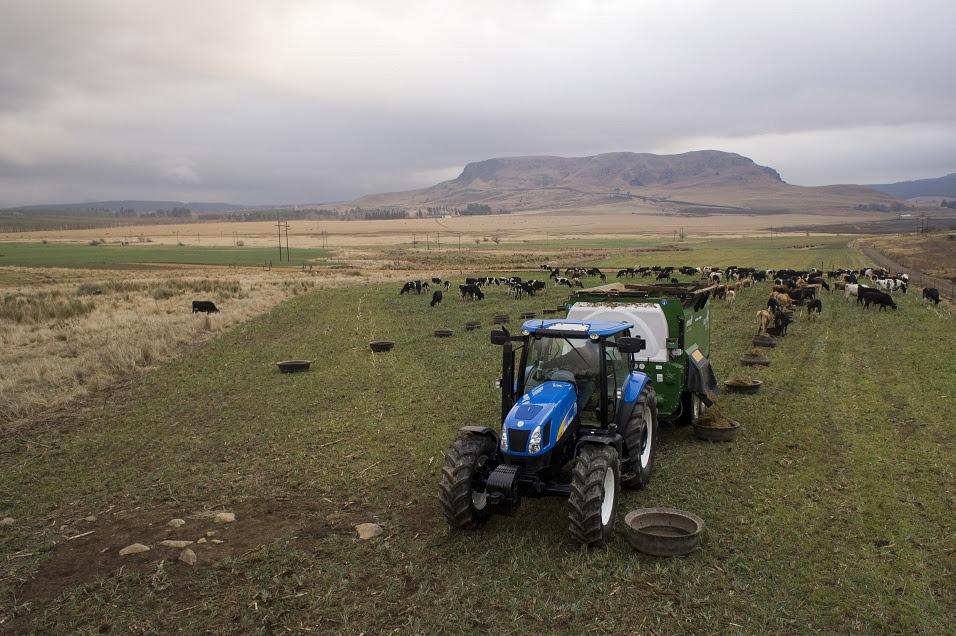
(944, 186)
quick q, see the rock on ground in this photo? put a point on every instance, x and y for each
(224, 517)
(188, 557)
(7, 521)
(176, 523)
(170, 543)
(368, 531)
(134, 548)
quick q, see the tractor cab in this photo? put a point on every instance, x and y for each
(570, 373)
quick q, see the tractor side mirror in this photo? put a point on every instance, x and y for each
(500, 336)
(631, 345)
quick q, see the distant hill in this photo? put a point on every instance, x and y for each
(704, 178)
(113, 207)
(938, 187)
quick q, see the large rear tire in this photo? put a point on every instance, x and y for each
(640, 441)
(595, 490)
(467, 458)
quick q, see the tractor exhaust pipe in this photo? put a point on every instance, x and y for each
(507, 376)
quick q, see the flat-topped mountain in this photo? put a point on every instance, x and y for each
(699, 178)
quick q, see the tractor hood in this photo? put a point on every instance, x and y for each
(543, 413)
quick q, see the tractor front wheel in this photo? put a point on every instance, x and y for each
(595, 486)
(468, 460)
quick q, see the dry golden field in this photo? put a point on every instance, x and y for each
(68, 334)
(603, 222)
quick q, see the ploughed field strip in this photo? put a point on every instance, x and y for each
(831, 512)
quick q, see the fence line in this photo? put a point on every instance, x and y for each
(946, 287)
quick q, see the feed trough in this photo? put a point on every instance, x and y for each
(755, 359)
(764, 341)
(443, 333)
(550, 312)
(719, 430)
(743, 385)
(381, 346)
(663, 531)
(501, 319)
(471, 326)
(528, 314)
(293, 366)
(560, 309)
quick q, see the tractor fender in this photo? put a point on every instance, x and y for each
(632, 390)
(479, 430)
(607, 439)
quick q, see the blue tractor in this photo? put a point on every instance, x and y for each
(577, 421)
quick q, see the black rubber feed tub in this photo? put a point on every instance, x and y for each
(755, 361)
(551, 312)
(764, 341)
(528, 315)
(663, 531)
(444, 333)
(501, 319)
(471, 326)
(716, 433)
(293, 366)
(381, 346)
(743, 387)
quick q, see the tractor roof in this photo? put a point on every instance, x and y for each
(575, 328)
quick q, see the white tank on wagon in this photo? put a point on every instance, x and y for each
(648, 319)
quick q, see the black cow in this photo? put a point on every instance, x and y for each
(876, 297)
(781, 321)
(814, 306)
(206, 306)
(931, 293)
(472, 291)
(436, 298)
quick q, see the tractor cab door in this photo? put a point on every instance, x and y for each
(617, 368)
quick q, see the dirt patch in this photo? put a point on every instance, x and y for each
(96, 553)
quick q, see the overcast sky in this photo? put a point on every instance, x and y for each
(310, 101)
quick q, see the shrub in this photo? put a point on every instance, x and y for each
(162, 293)
(41, 308)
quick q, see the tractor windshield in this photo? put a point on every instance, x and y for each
(576, 360)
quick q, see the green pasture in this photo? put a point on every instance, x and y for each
(832, 513)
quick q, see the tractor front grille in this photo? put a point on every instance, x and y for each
(518, 440)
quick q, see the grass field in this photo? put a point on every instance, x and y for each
(831, 513)
(119, 256)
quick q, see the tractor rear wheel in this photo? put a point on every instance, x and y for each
(467, 460)
(640, 442)
(595, 486)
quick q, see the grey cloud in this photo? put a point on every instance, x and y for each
(321, 101)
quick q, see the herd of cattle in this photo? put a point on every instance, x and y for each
(790, 287)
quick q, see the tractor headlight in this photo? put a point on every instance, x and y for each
(534, 445)
(504, 438)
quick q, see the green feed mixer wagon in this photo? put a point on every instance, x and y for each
(674, 319)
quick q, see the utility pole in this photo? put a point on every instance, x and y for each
(288, 250)
(279, 228)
